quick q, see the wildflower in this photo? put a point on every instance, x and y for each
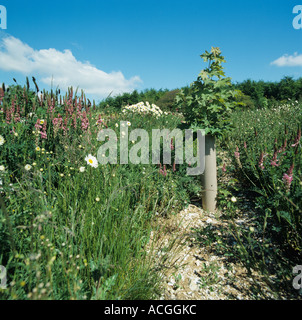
(297, 139)
(171, 145)
(163, 171)
(85, 121)
(34, 163)
(128, 123)
(27, 167)
(252, 229)
(16, 134)
(97, 199)
(275, 160)
(38, 149)
(43, 132)
(41, 170)
(41, 121)
(61, 174)
(2, 140)
(260, 163)
(233, 199)
(116, 125)
(2, 168)
(237, 154)
(82, 169)
(288, 177)
(224, 167)
(92, 161)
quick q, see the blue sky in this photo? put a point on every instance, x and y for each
(122, 45)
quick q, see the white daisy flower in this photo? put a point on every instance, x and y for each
(92, 161)
(27, 167)
(2, 168)
(2, 140)
(82, 169)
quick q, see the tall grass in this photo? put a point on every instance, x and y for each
(69, 230)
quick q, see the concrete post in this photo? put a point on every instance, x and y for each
(209, 177)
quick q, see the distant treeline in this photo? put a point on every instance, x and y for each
(254, 94)
(260, 93)
(119, 101)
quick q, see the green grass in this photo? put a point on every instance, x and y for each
(67, 234)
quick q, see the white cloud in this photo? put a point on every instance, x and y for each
(61, 68)
(289, 60)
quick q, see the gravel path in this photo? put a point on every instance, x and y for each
(194, 272)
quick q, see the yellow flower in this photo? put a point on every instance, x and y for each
(38, 149)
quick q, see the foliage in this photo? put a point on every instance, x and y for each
(266, 152)
(208, 102)
(269, 93)
(132, 98)
(69, 230)
(167, 101)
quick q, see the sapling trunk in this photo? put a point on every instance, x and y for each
(209, 177)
